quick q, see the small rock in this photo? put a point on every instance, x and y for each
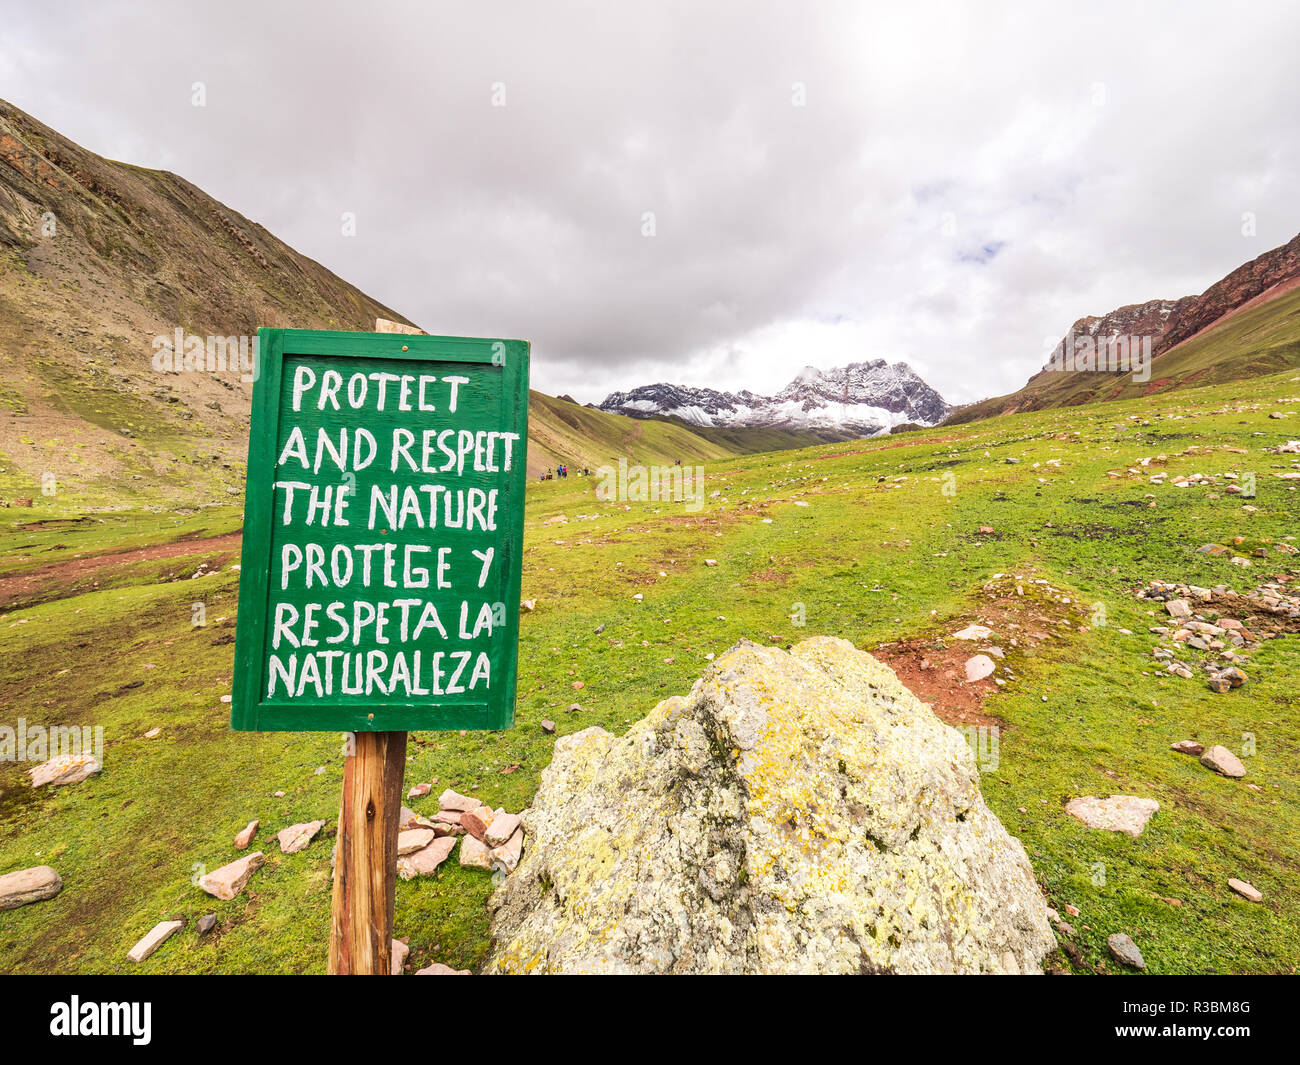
(1245, 890)
(154, 938)
(453, 800)
(438, 969)
(1234, 676)
(1125, 951)
(503, 826)
(474, 854)
(1118, 813)
(246, 836)
(36, 884)
(1187, 747)
(505, 857)
(979, 667)
(414, 839)
(424, 862)
(973, 632)
(207, 923)
(476, 822)
(1179, 608)
(228, 881)
(400, 951)
(1222, 760)
(64, 769)
(419, 791)
(296, 837)
(548, 726)
(152, 733)
(710, 561)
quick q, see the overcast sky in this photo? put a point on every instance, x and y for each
(946, 184)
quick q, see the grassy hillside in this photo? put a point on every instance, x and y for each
(563, 432)
(1259, 339)
(98, 259)
(890, 547)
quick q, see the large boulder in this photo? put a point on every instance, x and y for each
(796, 812)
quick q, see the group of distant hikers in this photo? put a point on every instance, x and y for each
(561, 471)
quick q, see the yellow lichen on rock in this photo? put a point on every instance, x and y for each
(798, 811)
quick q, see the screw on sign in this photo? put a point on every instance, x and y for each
(379, 590)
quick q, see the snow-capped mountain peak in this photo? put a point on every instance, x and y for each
(860, 399)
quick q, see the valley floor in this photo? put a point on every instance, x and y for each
(894, 544)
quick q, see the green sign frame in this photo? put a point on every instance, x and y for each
(442, 421)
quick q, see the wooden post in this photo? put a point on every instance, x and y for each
(365, 856)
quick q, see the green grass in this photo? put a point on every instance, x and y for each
(872, 558)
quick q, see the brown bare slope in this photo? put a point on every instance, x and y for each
(1242, 326)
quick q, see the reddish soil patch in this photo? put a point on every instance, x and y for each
(25, 585)
(934, 667)
(938, 677)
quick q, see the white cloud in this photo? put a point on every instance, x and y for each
(961, 182)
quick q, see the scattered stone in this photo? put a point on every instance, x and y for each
(438, 969)
(505, 857)
(528, 605)
(1234, 676)
(419, 791)
(1125, 951)
(152, 733)
(476, 822)
(503, 826)
(548, 726)
(64, 769)
(425, 862)
(474, 854)
(414, 839)
(1187, 747)
(1179, 608)
(36, 884)
(1219, 684)
(154, 938)
(409, 819)
(1245, 890)
(1222, 760)
(710, 561)
(400, 951)
(637, 864)
(453, 800)
(1118, 813)
(979, 667)
(296, 837)
(228, 881)
(245, 837)
(973, 632)
(207, 923)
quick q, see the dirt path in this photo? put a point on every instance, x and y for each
(23, 585)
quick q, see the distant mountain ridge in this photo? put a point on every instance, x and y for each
(1244, 325)
(860, 399)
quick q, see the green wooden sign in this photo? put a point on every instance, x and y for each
(383, 530)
